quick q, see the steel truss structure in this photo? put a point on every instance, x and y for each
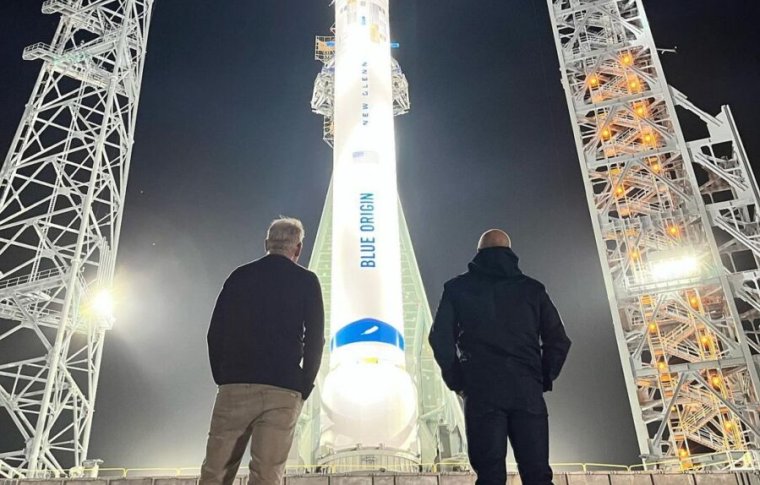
(62, 190)
(678, 236)
(441, 421)
(324, 86)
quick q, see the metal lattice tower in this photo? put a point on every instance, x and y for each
(678, 236)
(441, 421)
(62, 190)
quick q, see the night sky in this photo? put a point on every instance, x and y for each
(226, 141)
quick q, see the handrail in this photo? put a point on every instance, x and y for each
(675, 461)
(27, 278)
(433, 467)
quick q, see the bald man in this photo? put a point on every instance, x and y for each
(500, 344)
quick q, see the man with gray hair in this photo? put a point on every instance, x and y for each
(265, 345)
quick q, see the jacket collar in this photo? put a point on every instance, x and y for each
(498, 262)
(276, 257)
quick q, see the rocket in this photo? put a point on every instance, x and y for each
(369, 400)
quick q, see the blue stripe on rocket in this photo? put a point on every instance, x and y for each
(367, 330)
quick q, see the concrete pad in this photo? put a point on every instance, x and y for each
(130, 481)
(421, 479)
(748, 478)
(631, 479)
(716, 479)
(87, 481)
(559, 478)
(174, 481)
(351, 480)
(383, 480)
(514, 479)
(457, 479)
(453, 478)
(672, 479)
(307, 480)
(112, 473)
(587, 479)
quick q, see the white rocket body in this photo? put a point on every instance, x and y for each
(369, 400)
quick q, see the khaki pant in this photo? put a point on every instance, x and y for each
(264, 414)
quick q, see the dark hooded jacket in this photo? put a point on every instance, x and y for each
(497, 335)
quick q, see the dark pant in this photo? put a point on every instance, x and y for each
(488, 429)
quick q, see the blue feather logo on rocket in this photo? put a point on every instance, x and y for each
(367, 330)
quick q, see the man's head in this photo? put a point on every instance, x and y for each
(494, 238)
(285, 237)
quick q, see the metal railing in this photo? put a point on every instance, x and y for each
(560, 467)
(30, 278)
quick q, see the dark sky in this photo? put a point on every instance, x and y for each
(226, 141)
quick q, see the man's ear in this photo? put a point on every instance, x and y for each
(299, 247)
(266, 244)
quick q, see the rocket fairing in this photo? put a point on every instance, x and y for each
(369, 400)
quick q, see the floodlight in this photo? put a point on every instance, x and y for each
(102, 305)
(673, 265)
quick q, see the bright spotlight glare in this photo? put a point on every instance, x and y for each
(674, 266)
(102, 304)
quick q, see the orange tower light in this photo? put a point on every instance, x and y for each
(654, 164)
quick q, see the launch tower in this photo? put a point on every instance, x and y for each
(62, 189)
(678, 235)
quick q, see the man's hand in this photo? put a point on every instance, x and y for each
(314, 337)
(442, 339)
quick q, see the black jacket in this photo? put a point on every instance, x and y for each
(268, 317)
(496, 333)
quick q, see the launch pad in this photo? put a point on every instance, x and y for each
(675, 222)
(569, 478)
